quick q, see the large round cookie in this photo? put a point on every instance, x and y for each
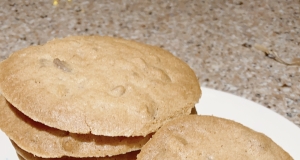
(23, 155)
(44, 141)
(197, 137)
(99, 85)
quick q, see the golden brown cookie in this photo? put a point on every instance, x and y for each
(23, 155)
(44, 141)
(99, 85)
(195, 137)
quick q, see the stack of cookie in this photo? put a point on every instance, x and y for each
(91, 97)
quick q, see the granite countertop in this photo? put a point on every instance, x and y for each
(229, 44)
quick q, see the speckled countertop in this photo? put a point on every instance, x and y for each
(215, 37)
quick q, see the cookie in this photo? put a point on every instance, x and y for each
(23, 155)
(44, 141)
(195, 137)
(99, 85)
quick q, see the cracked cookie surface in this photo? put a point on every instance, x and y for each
(99, 85)
(196, 137)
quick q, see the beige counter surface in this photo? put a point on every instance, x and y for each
(230, 44)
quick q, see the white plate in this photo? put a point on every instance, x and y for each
(259, 118)
(7, 151)
(225, 105)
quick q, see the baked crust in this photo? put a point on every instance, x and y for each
(23, 155)
(196, 137)
(99, 85)
(47, 142)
